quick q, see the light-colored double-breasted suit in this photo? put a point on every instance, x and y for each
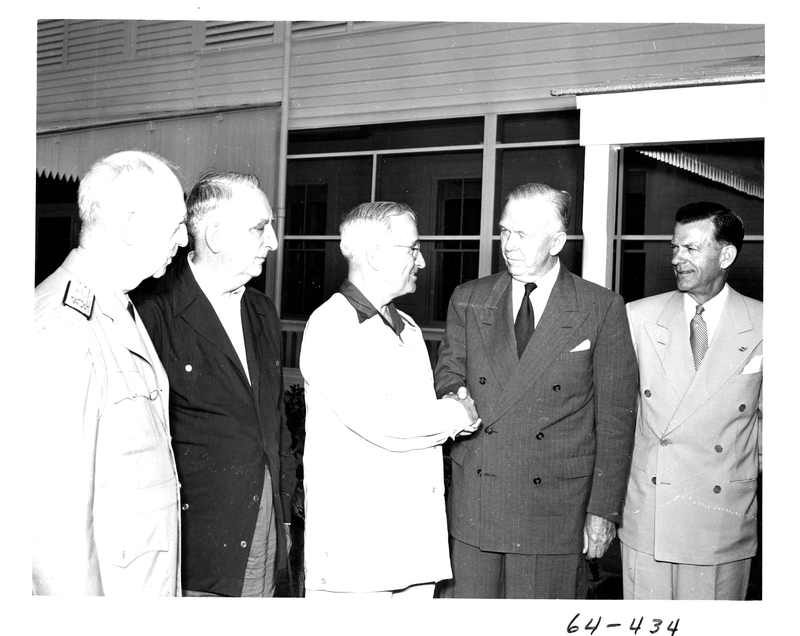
(692, 490)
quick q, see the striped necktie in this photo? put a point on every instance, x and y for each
(698, 336)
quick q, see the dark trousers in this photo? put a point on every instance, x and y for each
(479, 574)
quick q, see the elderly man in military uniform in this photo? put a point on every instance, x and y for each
(103, 461)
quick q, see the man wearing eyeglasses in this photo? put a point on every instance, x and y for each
(373, 473)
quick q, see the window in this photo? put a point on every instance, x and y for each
(458, 212)
(440, 169)
(657, 180)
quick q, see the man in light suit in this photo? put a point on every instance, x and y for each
(689, 527)
(548, 360)
(104, 484)
(220, 344)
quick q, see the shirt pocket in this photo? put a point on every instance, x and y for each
(129, 385)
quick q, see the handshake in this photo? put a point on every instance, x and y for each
(468, 403)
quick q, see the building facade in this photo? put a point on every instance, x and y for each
(634, 120)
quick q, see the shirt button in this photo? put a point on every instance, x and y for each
(277, 363)
(647, 393)
(434, 489)
(537, 481)
(653, 480)
(717, 489)
(243, 544)
(718, 448)
(742, 407)
(322, 580)
(188, 368)
(481, 380)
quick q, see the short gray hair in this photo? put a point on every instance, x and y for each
(101, 184)
(560, 199)
(211, 189)
(363, 219)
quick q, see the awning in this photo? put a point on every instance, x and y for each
(709, 168)
(244, 140)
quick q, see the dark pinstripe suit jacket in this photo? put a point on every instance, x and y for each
(557, 431)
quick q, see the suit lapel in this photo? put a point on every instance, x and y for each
(669, 337)
(193, 306)
(733, 343)
(558, 322)
(496, 327)
(252, 323)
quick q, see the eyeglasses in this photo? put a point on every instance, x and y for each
(413, 249)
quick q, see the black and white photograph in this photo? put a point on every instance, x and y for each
(463, 307)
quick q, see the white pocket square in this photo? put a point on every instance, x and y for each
(582, 346)
(754, 366)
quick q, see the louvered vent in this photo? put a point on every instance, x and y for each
(228, 35)
(163, 37)
(50, 43)
(93, 39)
(305, 29)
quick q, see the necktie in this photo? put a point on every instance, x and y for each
(523, 325)
(698, 336)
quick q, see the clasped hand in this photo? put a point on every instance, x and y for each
(468, 403)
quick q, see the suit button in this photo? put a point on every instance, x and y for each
(717, 489)
(537, 481)
(481, 380)
(185, 506)
(664, 442)
(479, 472)
(539, 435)
(653, 480)
(488, 431)
(742, 407)
(243, 544)
(556, 387)
(647, 393)
(256, 497)
(718, 448)
(188, 368)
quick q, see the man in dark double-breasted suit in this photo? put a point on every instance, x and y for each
(220, 345)
(539, 488)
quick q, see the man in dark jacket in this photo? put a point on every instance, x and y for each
(220, 344)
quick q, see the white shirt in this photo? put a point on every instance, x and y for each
(539, 296)
(228, 307)
(712, 310)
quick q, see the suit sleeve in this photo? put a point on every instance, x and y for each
(451, 363)
(65, 424)
(615, 383)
